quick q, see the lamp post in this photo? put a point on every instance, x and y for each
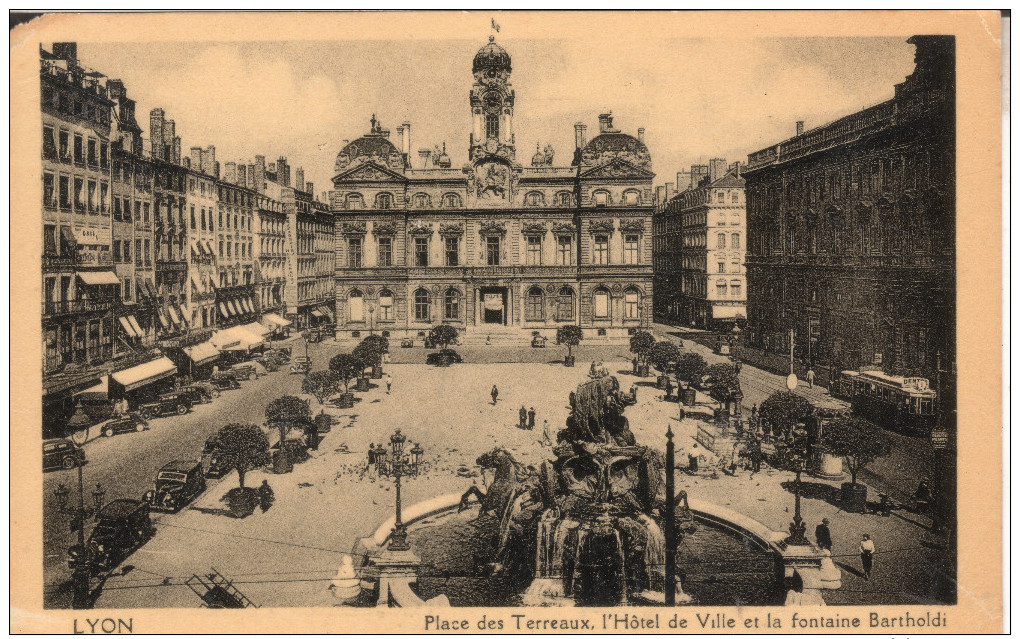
(371, 319)
(797, 527)
(82, 569)
(670, 517)
(402, 467)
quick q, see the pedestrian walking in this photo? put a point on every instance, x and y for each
(265, 496)
(823, 536)
(531, 418)
(371, 461)
(737, 366)
(389, 383)
(547, 439)
(811, 378)
(634, 362)
(692, 460)
(495, 394)
(867, 554)
(522, 419)
(669, 389)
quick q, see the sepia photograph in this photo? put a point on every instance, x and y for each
(511, 314)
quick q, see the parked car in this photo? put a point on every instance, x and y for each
(245, 370)
(286, 351)
(121, 526)
(538, 341)
(168, 404)
(216, 461)
(301, 365)
(282, 358)
(208, 390)
(224, 381)
(132, 423)
(267, 361)
(61, 453)
(194, 395)
(177, 483)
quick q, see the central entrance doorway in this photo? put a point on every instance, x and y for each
(493, 300)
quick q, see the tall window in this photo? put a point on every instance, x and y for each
(354, 201)
(385, 305)
(49, 239)
(533, 307)
(535, 198)
(735, 240)
(452, 304)
(452, 251)
(563, 198)
(720, 241)
(720, 197)
(734, 267)
(534, 250)
(492, 250)
(631, 198)
(79, 149)
(193, 217)
(492, 125)
(65, 192)
(630, 249)
(600, 253)
(422, 200)
(735, 289)
(354, 252)
(49, 190)
(722, 267)
(421, 305)
(65, 148)
(631, 309)
(565, 307)
(601, 300)
(734, 197)
(385, 257)
(720, 288)
(421, 251)
(451, 201)
(356, 304)
(601, 198)
(564, 250)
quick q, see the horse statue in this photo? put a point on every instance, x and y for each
(511, 479)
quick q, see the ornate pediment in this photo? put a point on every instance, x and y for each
(384, 228)
(420, 229)
(604, 225)
(534, 228)
(492, 227)
(632, 225)
(616, 169)
(563, 228)
(455, 229)
(353, 228)
(369, 172)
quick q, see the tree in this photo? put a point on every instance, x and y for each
(322, 384)
(722, 381)
(855, 439)
(288, 412)
(346, 366)
(664, 356)
(641, 344)
(690, 368)
(247, 446)
(783, 410)
(371, 349)
(443, 335)
(571, 335)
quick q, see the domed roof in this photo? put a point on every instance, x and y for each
(606, 146)
(372, 146)
(491, 56)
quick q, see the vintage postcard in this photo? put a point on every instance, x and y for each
(506, 322)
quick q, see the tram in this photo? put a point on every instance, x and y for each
(901, 403)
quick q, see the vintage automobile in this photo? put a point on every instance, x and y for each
(537, 341)
(208, 390)
(224, 381)
(61, 453)
(245, 370)
(301, 365)
(285, 351)
(121, 526)
(216, 461)
(167, 404)
(194, 395)
(267, 361)
(177, 483)
(280, 356)
(132, 423)
(313, 336)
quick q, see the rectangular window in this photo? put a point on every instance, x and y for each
(104, 198)
(116, 209)
(145, 215)
(138, 252)
(354, 252)
(385, 257)
(421, 251)
(720, 241)
(49, 189)
(92, 196)
(564, 250)
(229, 245)
(734, 267)
(601, 304)
(534, 250)
(127, 289)
(65, 192)
(79, 149)
(193, 217)
(92, 152)
(452, 251)
(49, 239)
(127, 251)
(104, 159)
(630, 249)
(148, 253)
(735, 241)
(492, 250)
(600, 250)
(49, 143)
(65, 149)
(116, 250)
(720, 289)
(79, 195)
(735, 289)
(630, 305)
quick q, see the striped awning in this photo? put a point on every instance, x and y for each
(173, 315)
(223, 310)
(134, 325)
(232, 307)
(126, 325)
(144, 374)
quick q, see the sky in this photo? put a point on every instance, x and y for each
(696, 98)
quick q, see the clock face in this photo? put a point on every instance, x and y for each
(493, 101)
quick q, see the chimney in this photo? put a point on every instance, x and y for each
(258, 174)
(698, 173)
(251, 177)
(310, 188)
(670, 191)
(424, 155)
(641, 134)
(66, 51)
(169, 132)
(716, 169)
(282, 171)
(156, 117)
(209, 160)
(735, 168)
(800, 127)
(187, 163)
(196, 158)
(299, 179)
(272, 168)
(660, 194)
(230, 172)
(176, 158)
(579, 134)
(116, 90)
(216, 170)
(606, 122)
(406, 140)
(242, 175)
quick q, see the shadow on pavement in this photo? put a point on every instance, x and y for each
(850, 569)
(814, 490)
(222, 512)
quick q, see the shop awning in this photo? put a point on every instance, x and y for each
(98, 278)
(248, 338)
(195, 252)
(231, 307)
(99, 391)
(728, 312)
(126, 325)
(162, 319)
(272, 319)
(203, 353)
(134, 325)
(173, 315)
(225, 340)
(317, 313)
(257, 329)
(249, 305)
(223, 310)
(185, 315)
(145, 374)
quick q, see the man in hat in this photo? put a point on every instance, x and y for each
(495, 394)
(522, 420)
(822, 535)
(531, 418)
(867, 554)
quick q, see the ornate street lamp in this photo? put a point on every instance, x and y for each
(371, 319)
(82, 569)
(797, 527)
(416, 454)
(402, 466)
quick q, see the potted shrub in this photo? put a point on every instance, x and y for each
(321, 384)
(346, 367)
(783, 410)
(858, 442)
(641, 344)
(285, 413)
(249, 449)
(663, 357)
(371, 351)
(690, 367)
(571, 335)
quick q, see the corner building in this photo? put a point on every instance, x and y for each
(493, 246)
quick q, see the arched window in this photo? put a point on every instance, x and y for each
(452, 304)
(422, 200)
(384, 201)
(451, 201)
(565, 307)
(631, 197)
(601, 198)
(534, 198)
(353, 201)
(563, 198)
(385, 305)
(533, 307)
(421, 305)
(631, 304)
(492, 125)
(720, 241)
(601, 304)
(735, 240)
(356, 302)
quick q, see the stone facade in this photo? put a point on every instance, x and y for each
(852, 230)
(493, 243)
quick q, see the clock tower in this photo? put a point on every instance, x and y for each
(492, 104)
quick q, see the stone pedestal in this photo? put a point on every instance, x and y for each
(393, 572)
